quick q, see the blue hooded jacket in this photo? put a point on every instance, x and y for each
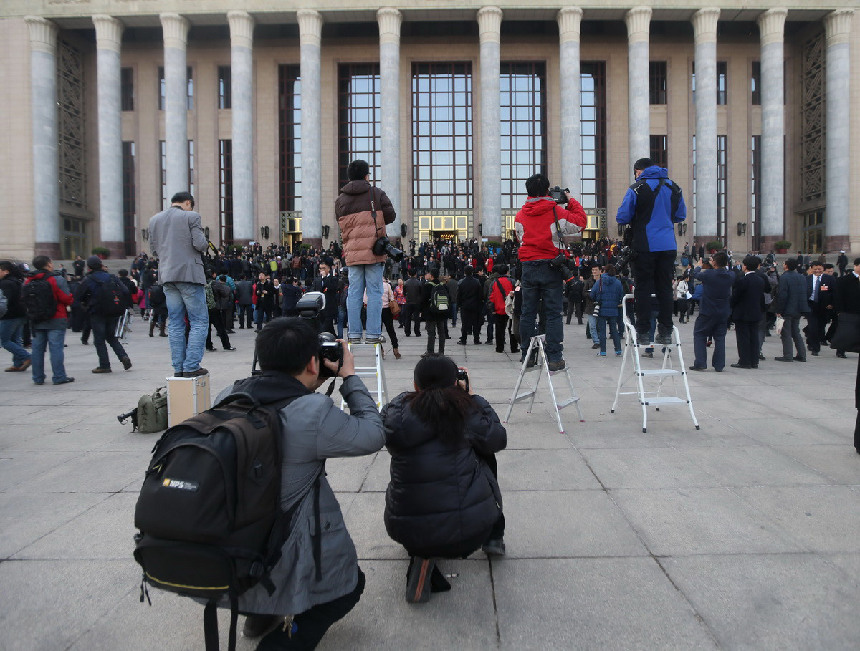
(654, 231)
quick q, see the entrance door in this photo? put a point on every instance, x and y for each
(449, 237)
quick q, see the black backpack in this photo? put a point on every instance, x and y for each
(38, 298)
(209, 512)
(110, 297)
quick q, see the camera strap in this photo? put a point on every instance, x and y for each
(558, 228)
(373, 212)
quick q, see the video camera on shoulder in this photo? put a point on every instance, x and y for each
(309, 307)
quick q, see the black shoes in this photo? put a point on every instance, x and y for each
(841, 355)
(259, 625)
(418, 580)
(557, 365)
(99, 369)
(230, 348)
(462, 342)
(494, 547)
(786, 359)
(126, 362)
(798, 358)
(663, 337)
(65, 380)
(747, 366)
(200, 371)
(698, 368)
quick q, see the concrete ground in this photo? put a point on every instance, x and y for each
(744, 534)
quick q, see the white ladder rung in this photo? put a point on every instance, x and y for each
(660, 371)
(665, 400)
(566, 403)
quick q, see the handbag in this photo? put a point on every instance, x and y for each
(394, 306)
(780, 322)
(847, 335)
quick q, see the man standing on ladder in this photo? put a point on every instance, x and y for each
(652, 205)
(540, 225)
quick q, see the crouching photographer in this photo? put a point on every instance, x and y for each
(541, 225)
(317, 580)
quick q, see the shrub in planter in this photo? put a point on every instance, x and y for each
(782, 246)
(714, 245)
(101, 251)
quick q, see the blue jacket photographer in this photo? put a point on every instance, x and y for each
(651, 207)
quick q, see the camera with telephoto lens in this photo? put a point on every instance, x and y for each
(559, 195)
(383, 245)
(309, 307)
(463, 376)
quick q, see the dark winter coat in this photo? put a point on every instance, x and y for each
(442, 500)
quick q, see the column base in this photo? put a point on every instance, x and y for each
(315, 242)
(837, 243)
(767, 243)
(50, 249)
(117, 249)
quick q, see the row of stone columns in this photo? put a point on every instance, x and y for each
(43, 35)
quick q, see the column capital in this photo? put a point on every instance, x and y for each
(108, 32)
(310, 26)
(389, 20)
(569, 20)
(838, 26)
(43, 34)
(489, 24)
(241, 29)
(705, 25)
(175, 30)
(771, 25)
(638, 22)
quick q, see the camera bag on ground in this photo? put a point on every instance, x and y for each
(209, 512)
(152, 412)
(111, 298)
(39, 302)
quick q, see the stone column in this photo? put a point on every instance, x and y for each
(43, 109)
(771, 26)
(838, 103)
(242, 111)
(108, 44)
(389, 20)
(175, 28)
(705, 34)
(569, 20)
(310, 32)
(638, 22)
(489, 30)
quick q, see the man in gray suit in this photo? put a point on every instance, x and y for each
(791, 303)
(176, 238)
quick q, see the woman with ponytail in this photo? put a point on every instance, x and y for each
(443, 500)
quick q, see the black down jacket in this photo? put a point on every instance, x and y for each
(443, 499)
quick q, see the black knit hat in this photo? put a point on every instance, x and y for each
(435, 372)
(94, 262)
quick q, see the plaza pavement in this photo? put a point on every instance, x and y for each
(745, 534)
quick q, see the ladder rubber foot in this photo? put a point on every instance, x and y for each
(644, 430)
(697, 427)
(611, 411)
(581, 420)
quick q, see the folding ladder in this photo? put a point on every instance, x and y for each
(536, 348)
(655, 396)
(362, 352)
(123, 324)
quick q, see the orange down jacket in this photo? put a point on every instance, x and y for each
(352, 209)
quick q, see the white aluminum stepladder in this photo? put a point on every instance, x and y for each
(536, 347)
(376, 371)
(122, 324)
(655, 397)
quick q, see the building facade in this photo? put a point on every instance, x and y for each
(111, 106)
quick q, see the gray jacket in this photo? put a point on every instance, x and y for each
(792, 296)
(314, 429)
(177, 239)
(244, 291)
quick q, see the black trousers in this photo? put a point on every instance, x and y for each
(435, 327)
(652, 274)
(469, 325)
(311, 625)
(501, 325)
(746, 333)
(216, 320)
(411, 314)
(816, 320)
(388, 322)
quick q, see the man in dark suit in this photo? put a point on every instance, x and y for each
(819, 289)
(330, 286)
(469, 297)
(847, 300)
(747, 307)
(714, 310)
(791, 304)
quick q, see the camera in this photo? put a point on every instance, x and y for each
(562, 264)
(559, 195)
(463, 376)
(309, 307)
(383, 245)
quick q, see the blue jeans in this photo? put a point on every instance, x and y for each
(713, 326)
(364, 277)
(613, 332)
(592, 328)
(454, 315)
(52, 339)
(542, 282)
(10, 339)
(186, 299)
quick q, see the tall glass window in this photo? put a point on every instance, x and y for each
(162, 172)
(225, 184)
(225, 98)
(722, 83)
(129, 204)
(593, 124)
(191, 167)
(359, 118)
(442, 135)
(659, 153)
(523, 127)
(755, 191)
(694, 185)
(657, 84)
(290, 137)
(126, 88)
(722, 185)
(755, 83)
